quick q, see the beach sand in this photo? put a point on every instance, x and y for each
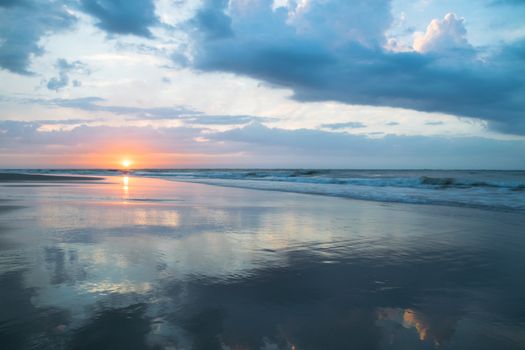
(135, 263)
(19, 177)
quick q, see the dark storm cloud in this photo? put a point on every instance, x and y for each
(22, 24)
(212, 20)
(350, 64)
(8, 3)
(133, 17)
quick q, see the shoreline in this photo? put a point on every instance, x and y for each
(40, 179)
(348, 197)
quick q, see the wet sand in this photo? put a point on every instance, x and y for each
(20, 177)
(135, 263)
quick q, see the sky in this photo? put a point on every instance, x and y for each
(261, 83)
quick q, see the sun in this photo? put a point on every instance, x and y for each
(126, 163)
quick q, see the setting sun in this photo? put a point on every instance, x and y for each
(126, 163)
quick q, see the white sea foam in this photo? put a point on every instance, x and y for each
(496, 189)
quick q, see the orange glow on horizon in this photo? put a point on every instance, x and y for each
(112, 158)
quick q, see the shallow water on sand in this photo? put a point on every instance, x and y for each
(136, 263)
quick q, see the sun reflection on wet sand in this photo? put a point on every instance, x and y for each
(125, 188)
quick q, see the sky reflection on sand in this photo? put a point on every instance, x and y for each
(186, 266)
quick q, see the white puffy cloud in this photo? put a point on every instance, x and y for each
(294, 7)
(443, 35)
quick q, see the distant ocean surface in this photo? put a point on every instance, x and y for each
(471, 188)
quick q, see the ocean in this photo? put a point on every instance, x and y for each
(491, 189)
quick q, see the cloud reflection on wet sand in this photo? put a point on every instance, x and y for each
(188, 266)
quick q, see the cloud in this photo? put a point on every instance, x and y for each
(64, 121)
(212, 20)
(23, 24)
(226, 119)
(442, 35)
(290, 44)
(348, 125)
(133, 17)
(515, 54)
(346, 61)
(8, 3)
(256, 144)
(182, 113)
(358, 20)
(508, 2)
(93, 104)
(336, 149)
(434, 123)
(22, 137)
(64, 68)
